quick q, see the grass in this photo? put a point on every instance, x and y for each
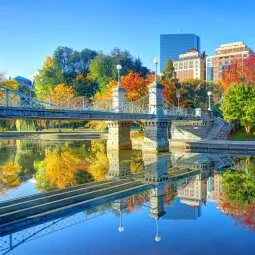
(241, 135)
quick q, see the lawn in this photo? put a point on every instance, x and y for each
(241, 135)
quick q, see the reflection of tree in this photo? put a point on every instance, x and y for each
(60, 169)
(137, 164)
(8, 177)
(98, 162)
(169, 194)
(239, 194)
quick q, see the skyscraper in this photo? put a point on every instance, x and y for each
(172, 45)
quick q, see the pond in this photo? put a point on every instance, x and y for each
(207, 206)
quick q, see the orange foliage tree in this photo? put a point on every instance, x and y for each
(239, 72)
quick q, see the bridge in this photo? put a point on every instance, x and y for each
(153, 111)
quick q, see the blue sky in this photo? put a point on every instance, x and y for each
(32, 29)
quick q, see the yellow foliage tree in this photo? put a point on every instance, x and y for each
(60, 168)
(98, 163)
(12, 84)
(61, 94)
(8, 177)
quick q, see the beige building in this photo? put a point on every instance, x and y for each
(225, 54)
(190, 65)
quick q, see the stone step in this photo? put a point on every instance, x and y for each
(44, 207)
(18, 205)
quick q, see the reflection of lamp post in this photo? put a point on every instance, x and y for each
(209, 93)
(178, 96)
(155, 61)
(157, 237)
(119, 67)
(121, 228)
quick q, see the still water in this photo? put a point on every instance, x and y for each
(203, 208)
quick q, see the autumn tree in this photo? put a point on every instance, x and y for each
(239, 72)
(9, 178)
(58, 169)
(98, 162)
(61, 94)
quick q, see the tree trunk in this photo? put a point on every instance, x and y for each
(248, 128)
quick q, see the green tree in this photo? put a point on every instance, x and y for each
(103, 67)
(239, 105)
(239, 187)
(169, 70)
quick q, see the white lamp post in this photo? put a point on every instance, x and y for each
(155, 61)
(121, 228)
(178, 96)
(157, 237)
(209, 93)
(119, 67)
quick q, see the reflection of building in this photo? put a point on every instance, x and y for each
(214, 188)
(225, 55)
(194, 193)
(190, 65)
(180, 211)
(172, 45)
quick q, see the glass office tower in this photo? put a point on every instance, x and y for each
(172, 45)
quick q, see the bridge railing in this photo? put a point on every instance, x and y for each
(170, 109)
(13, 98)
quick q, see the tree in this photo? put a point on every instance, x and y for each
(168, 72)
(58, 169)
(60, 95)
(69, 67)
(239, 105)
(103, 67)
(169, 91)
(194, 93)
(8, 177)
(239, 72)
(12, 84)
(136, 86)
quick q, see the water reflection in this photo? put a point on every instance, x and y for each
(178, 185)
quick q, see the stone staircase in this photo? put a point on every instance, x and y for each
(220, 130)
(222, 161)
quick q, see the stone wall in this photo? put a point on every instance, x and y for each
(190, 129)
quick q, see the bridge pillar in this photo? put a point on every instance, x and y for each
(156, 131)
(157, 201)
(119, 135)
(156, 136)
(118, 99)
(155, 167)
(156, 101)
(119, 165)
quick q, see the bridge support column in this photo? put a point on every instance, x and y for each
(119, 135)
(156, 136)
(155, 167)
(157, 201)
(119, 165)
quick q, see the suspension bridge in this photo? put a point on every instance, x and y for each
(16, 105)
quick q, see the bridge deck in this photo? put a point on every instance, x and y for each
(34, 113)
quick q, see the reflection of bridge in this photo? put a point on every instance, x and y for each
(25, 219)
(153, 111)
